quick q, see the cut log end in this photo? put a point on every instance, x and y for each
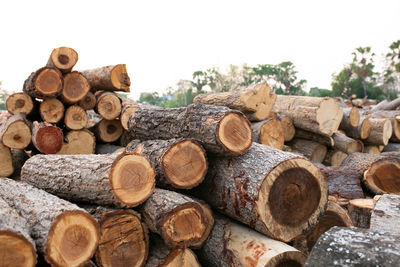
(365, 129)
(354, 117)
(76, 87)
(51, 110)
(185, 164)
(125, 116)
(49, 140)
(383, 177)
(17, 135)
(387, 132)
(16, 250)
(72, 239)
(63, 58)
(120, 78)
(329, 115)
(272, 135)
(288, 128)
(109, 130)
(109, 106)
(78, 142)
(49, 82)
(88, 102)
(19, 103)
(181, 257)
(132, 179)
(76, 118)
(235, 134)
(6, 161)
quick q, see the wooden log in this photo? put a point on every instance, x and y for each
(128, 108)
(19, 157)
(125, 179)
(381, 131)
(334, 216)
(65, 233)
(288, 128)
(355, 247)
(109, 78)
(46, 138)
(108, 131)
(161, 255)
(276, 193)
(334, 157)
(347, 144)
(15, 132)
(286, 148)
(16, 245)
(6, 161)
(314, 114)
(180, 220)
(386, 105)
(370, 149)
(108, 148)
(393, 116)
(395, 147)
(108, 105)
(219, 129)
(19, 103)
(379, 174)
(362, 131)
(124, 240)
(180, 163)
(51, 110)
(312, 150)
(268, 132)
(75, 118)
(93, 118)
(63, 58)
(78, 142)
(45, 82)
(385, 215)
(231, 244)
(323, 140)
(343, 182)
(261, 114)
(350, 119)
(360, 211)
(88, 102)
(76, 87)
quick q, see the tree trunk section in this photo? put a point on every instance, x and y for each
(392, 147)
(372, 150)
(386, 214)
(19, 103)
(288, 128)
(76, 87)
(362, 131)
(394, 116)
(108, 131)
(88, 102)
(276, 193)
(347, 144)
(314, 114)
(46, 138)
(45, 82)
(109, 78)
(180, 163)
(219, 129)
(334, 157)
(78, 142)
(262, 112)
(323, 140)
(75, 118)
(108, 149)
(108, 105)
(381, 131)
(110, 179)
(360, 211)
(128, 108)
(18, 160)
(63, 232)
(232, 244)
(385, 105)
(51, 110)
(6, 161)
(312, 150)
(63, 58)
(15, 132)
(180, 220)
(268, 132)
(350, 119)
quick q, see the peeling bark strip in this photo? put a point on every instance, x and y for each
(268, 132)
(109, 179)
(231, 244)
(355, 247)
(109, 78)
(15, 132)
(386, 214)
(180, 163)
(180, 220)
(45, 82)
(16, 245)
(19, 103)
(277, 193)
(76, 87)
(48, 139)
(314, 114)
(219, 129)
(63, 232)
(51, 110)
(6, 161)
(108, 105)
(63, 58)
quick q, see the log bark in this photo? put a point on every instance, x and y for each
(386, 214)
(381, 131)
(393, 115)
(180, 220)
(286, 148)
(386, 105)
(314, 114)
(128, 108)
(379, 174)
(76, 87)
(219, 129)
(19, 157)
(355, 247)
(51, 110)
(108, 148)
(276, 193)
(343, 182)
(19, 103)
(16, 245)
(16, 132)
(63, 58)
(312, 150)
(268, 132)
(289, 130)
(392, 147)
(46, 138)
(6, 161)
(88, 102)
(108, 105)
(65, 233)
(323, 140)
(347, 144)
(180, 163)
(93, 119)
(350, 119)
(45, 82)
(370, 149)
(360, 211)
(109, 78)
(78, 142)
(231, 244)
(334, 216)
(108, 131)
(125, 179)
(362, 131)
(334, 157)
(75, 118)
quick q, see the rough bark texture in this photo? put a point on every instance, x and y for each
(47, 218)
(51, 110)
(108, 105)
(63, 58)
(219, 129)
(276, 193)
(18, 160)
(395, 147)
(334, 157)
(78, 142)
(97, 179)
(360, 211)
(109, 78)
(355, 247)
(108, 148)
(45, 82)
(370, 149)
(268, 132)
(347, 144)
(75, 118)
(231, 244)
(15, 132)
(323, 140)
(381, 131)
(88, 102)
(180, 163)
(180, 220)
(19, 103)
(6, 161)
(386, 214)
(48, 139)
(314, 114)
(312, 150)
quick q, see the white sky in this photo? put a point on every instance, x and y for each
(164, 41)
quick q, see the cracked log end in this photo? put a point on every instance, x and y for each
(132, 178)
(17, 135)
(72, 239)
(383, 177)
(19, 103)
(63, 58)
(16, 250)
(185, 164)
(234, 133)
(120, 78)
(329, 115)
(76, 87)
(292, 198)
(49, 82)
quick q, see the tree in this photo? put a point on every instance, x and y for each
(3, 98)
(390, 78)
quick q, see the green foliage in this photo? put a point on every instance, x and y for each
(315, 91)
(3, 98)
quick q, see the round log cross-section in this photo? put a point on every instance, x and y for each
(63, 58)
(45, 82)
(75, 88)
